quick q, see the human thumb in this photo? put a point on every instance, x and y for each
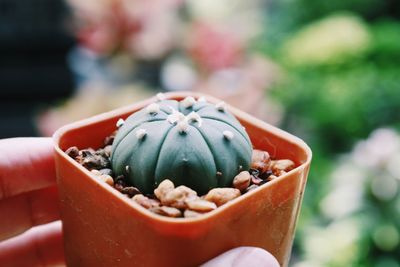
(243, 257)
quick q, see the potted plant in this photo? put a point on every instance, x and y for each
(102, 227)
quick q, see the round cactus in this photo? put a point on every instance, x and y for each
(191, 142)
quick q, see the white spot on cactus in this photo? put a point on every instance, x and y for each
(182, 126)
(120, 122)
(181, 117)
(127, 169)
(175, 116)
(202, 99)
(171, 108)
(188, 102)
(160, 96)
(228, 135)
(153, 108)
(172, 118)
(221, 106)
(140, 134)
(194, 117)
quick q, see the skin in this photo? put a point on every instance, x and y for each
(28, 198)
(30, 230)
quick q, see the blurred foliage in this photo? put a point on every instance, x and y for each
(340, 80)
(304, 11)
(361, 210)
(340, 105)
(340, 102)
(386, 42)
(332, 40)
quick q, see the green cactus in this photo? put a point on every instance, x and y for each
(192, 143)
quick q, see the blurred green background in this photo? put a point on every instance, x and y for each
(340, 89)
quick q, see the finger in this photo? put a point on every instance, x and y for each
(41, 246)
(243, 257)
(21, 212)
(26, 164)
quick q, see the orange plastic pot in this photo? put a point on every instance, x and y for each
(104, 228)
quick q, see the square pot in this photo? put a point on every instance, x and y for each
(102, 227)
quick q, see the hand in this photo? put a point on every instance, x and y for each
(28, 197)
(243, 257)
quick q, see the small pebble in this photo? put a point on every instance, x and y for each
(105, 171)
(271, 177)
(120, 180)
(221, 196)
(192, 214)
(257, 181)
(109, 140)
(96, 172)
(265, 175)
(163, 189)
(251, 188)
(179, 196)
(201, 205)
(107, 179)
(281, 165)
(260, 160)
(91, 159)
(73, 152)
(145, 201)
(242, 181)
(130, 191)
(167, 211)
(254, 172)
(118, 187)
(108, 150)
